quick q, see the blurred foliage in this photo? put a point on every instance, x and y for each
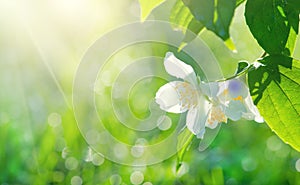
(41, 46)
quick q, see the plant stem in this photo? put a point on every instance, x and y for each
(246, 70)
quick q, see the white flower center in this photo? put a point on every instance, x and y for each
(187, 95)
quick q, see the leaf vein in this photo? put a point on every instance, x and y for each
(290, 78)
(288, 98)
(276, 111)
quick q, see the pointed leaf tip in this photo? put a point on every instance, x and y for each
(230, 45)
(147, 6)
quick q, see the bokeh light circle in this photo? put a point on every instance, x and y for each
(117, 76)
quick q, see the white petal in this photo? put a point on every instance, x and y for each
(213, 125)
(222, 86)
(258, 118)
(235, 110)
(200, 135)
(222, 95)
(168, 98)
(252, 111)
(237, 87)
(179, 69)
(196, 118)
(210, 89)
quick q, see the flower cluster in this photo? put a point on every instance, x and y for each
(207, 104)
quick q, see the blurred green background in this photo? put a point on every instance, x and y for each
(41, 45)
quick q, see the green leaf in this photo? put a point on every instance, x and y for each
(217, 175)
(293, 19)
(185, 138)
(193, 29)
(275, 89)
(270, 22)
(242, 65)
(295, 4)
(180, 16)
(215, 15)
(147, 6)
(290, 44)
(230, 45)
(182, 19)
(239, 2)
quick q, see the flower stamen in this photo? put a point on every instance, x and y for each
(187, 95)
(239, 98)
(216, 115)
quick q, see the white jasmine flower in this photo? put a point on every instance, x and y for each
(182, 96)
(234, 96)
(240, 99)
(207, 104)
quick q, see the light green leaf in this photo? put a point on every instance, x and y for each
(230, 45)
(147, 6)
(217, 175)
(182, 19)
(239, 2)
(215, 15)
(194, 28)
(180, 16)
(270, 22)
(275, 89)
(183, 142)
(291, 42)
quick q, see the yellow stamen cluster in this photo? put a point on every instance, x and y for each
(239, 98)
(187, 95)
(226, 92)
(216, 115)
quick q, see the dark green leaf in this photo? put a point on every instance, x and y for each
(293, 20)
(215, 15)
(224, 14)
(295, 4)
(203, 11)
(242, 65)
(275, 89)
(270, 22)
